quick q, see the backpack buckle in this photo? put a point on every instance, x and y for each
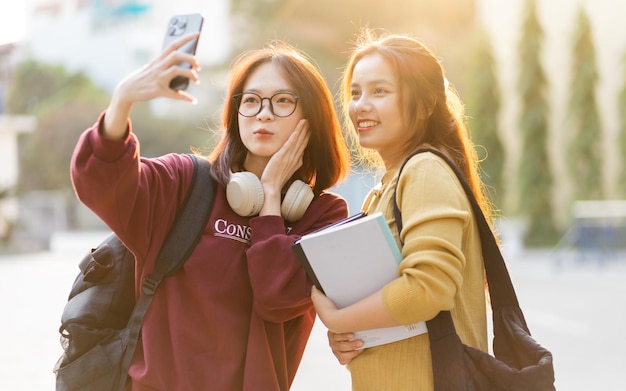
(149, 285)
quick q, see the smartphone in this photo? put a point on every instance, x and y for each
(178, 26)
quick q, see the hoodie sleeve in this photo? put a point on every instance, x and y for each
(280, 285)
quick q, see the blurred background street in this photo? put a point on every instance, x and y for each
(544, 88)
(577, 310)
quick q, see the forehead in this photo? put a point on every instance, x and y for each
(267, 78)
(372, 68)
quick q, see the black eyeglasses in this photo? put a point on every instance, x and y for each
(282, 104)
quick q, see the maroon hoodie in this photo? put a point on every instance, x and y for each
(238, 314)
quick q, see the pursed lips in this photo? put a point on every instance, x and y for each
(262, 132)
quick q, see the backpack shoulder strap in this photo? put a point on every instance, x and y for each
(187, 228)
(180, 242)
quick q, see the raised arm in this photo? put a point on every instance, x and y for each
(149, 82)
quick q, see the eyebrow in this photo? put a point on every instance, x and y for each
(375, 81)
(279, 91)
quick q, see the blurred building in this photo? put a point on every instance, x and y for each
(107, 39)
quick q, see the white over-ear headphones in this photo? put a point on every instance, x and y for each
(245, 196)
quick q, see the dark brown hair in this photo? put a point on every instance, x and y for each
(326, 160)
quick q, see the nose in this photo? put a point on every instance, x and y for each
(362, 104)
(267, 111)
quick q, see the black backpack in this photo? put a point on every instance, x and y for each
(101, 321)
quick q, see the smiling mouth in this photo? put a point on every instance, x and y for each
(367, 124)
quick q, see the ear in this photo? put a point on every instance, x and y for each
(429, 107)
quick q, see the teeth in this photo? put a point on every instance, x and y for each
(366, 124)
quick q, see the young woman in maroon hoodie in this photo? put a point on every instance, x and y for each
(238, 314)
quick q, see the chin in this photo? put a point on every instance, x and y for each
(365, 142)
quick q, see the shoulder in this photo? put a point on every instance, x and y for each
(429, 178)
(428, 167)
(172, 163)
(326, 208)
(330, 200)
(329, 196)
(171, 173)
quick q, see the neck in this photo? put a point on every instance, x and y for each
(255, 165)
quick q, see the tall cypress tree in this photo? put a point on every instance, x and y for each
(585, 147)
(621, 183)
(483, 106)
(535, 174)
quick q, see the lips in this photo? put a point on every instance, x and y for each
(262, 132)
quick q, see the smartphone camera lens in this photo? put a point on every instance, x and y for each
(177, 25)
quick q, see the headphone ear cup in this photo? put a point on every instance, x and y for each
(296, 201)
(244, 193)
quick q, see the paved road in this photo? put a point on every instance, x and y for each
(578, 311)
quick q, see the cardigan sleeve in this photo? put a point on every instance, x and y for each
(435, 216)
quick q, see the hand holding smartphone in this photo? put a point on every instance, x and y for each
(178, 26)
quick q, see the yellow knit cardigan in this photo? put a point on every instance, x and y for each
(441, 269)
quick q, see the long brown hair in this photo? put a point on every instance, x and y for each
(326, 160)
(423, 89)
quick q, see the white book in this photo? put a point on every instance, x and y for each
(351, 260)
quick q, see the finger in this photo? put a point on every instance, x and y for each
(175, 45)
(315, 297)
(180, 57)
(339, 337)
(296, 143)
(303, 136)
(186, 97)
(345, 345)
(301, 132)
(345, 358)
(349, 346)
(175, 71)
(294, 138)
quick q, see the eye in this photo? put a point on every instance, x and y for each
(249, 98)
(285, 98)
(355, 93)
(379, 91)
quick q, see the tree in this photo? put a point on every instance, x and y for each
(535, 174)
(585, 149)
(65, 104)
(622, 134)
(483, 106)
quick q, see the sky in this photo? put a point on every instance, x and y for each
(11, 21)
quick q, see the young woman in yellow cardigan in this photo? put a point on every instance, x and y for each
(397, 100)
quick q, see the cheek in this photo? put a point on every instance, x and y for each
(352, 112)
(243, 125)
